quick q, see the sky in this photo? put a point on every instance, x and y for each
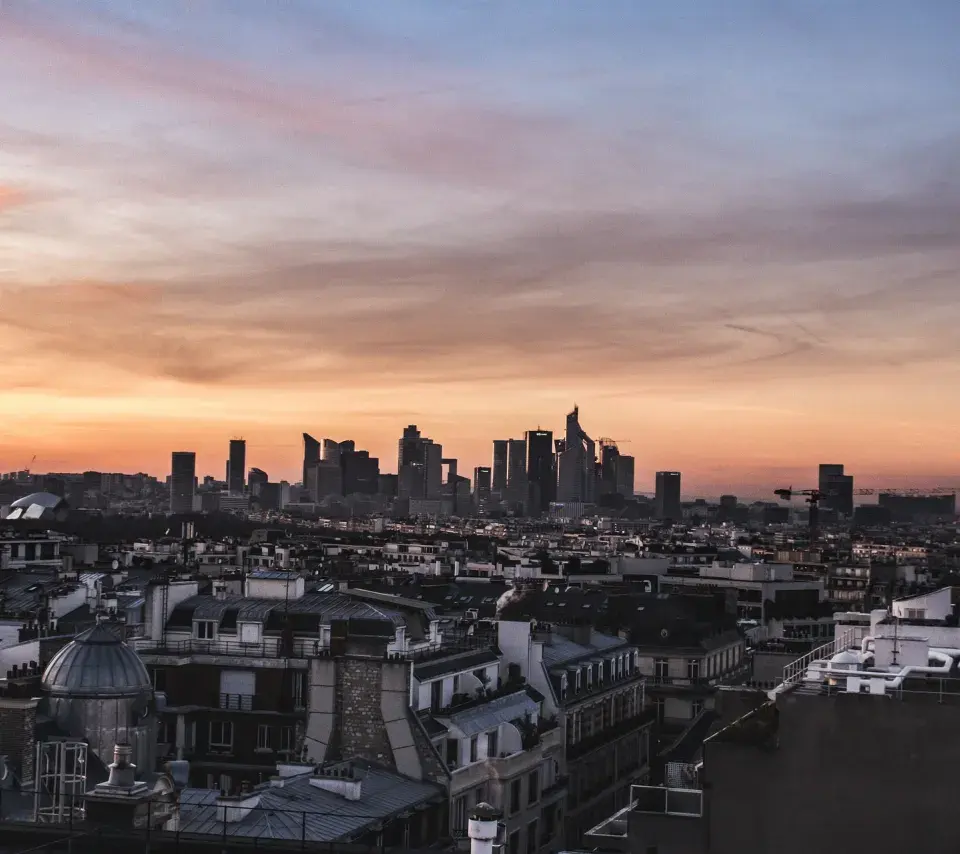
(730, 232)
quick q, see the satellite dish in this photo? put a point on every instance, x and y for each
(115, 564)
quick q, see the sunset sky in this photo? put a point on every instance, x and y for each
(729, 231)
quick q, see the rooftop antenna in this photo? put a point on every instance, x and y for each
(896, 638)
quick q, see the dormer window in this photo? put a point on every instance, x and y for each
(250, 633)
(205, 629)
(563, 687)
(619, 667)
(578, 683)
(589, 675)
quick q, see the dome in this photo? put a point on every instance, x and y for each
(44, 499)
(37, 505)
(96, 663)
(845, 658)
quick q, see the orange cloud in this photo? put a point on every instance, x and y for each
(11, 197)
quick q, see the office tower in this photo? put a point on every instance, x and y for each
(420, 466)
(518, 489)
(330, 451)
(576, 466)
(326, 480)
(541, 470)
(625, 476)
(237, 467)
(667, 501)
(387, 485)
(482, 480)
(256, 480)
(837, 488)
(433, 470)
(499, 476)
(311, 456)
(361, 472)
(183, 481)
(609, 466)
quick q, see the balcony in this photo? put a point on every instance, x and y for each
(612, 733)
(268, 648)
(236, 702)
(663, 800)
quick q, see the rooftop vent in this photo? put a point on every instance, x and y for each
(338, 780)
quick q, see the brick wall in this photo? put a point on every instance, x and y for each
(18, 720)
(359, 717)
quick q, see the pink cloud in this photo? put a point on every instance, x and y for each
(435, 131)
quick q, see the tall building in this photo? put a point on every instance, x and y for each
(183, 481)
(667, 502)
(499, 475)
(256, 479)
(237, 467)
(626, 474)
(609, 466)
(541, 470)
(576, 466)
(361, 472)
(517, 483)
(837, 488)
(311, 456)
(330, 451)
(482, 479)
(419, 466)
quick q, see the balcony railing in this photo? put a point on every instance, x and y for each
(237, 702)
(611, 733)
(267, 648)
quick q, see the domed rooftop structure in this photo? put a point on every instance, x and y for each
(846, 659)
(96, 664)
(37, 505)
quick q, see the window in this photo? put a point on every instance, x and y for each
(589, 675)
(492, 743)
(299, 681)
(165, 732)
(263, 737)
(436, 695)
(563, 687)
(577, 689)
(515, 794)
(453, 753)
(460, 813)
(205, 629)
(474, 753)
(693, 668)
(286, 738)
(660, 669)
(532, 837)
(533, 787)
(160, 679)
(513, 844)
(221, 734)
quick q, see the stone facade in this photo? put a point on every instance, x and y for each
(359, 717)
(18, 720)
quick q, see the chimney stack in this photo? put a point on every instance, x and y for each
(483, 828)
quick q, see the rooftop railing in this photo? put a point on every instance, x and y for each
(794, 672)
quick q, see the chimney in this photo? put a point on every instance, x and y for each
(234, 808)
(483, 828)
(340, 782)
(121, 800)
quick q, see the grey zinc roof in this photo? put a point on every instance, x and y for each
(96, 663)
(329, 817)
(332, 606)
(489, 715)
(561, 649)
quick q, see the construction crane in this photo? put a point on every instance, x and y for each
(813, 497)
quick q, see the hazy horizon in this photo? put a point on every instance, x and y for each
(730, 233)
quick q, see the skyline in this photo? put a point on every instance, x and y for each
(733, 237)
